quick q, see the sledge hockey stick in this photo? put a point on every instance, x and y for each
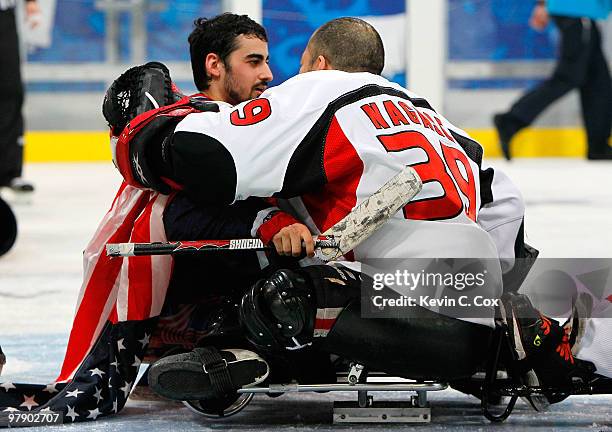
(195, 246)
(341, 238)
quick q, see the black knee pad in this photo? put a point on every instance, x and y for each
(278, 312)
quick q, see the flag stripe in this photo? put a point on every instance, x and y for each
(119, 289)
(161, 264)
(122, 291)
(118, 217)
(324, 324)
(140, 271)
(97, 286)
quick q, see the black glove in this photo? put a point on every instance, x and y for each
(137, 90)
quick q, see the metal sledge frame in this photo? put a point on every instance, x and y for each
(498, 381)
(364, 410)
(500, 337)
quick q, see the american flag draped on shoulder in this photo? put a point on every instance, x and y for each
(117, 310)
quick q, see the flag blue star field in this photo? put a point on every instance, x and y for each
(100, 386)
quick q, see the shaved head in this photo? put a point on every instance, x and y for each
(348, 44)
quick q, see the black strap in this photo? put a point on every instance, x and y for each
(216, 368)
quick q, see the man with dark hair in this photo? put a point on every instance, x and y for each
(229, 58)
(346, 44)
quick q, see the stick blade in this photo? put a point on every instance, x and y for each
(372, 213)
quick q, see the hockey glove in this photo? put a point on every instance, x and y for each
(138, 90)
(142, 108)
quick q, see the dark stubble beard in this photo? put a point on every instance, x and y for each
(231, 85)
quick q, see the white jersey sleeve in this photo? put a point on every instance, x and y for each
(260, 147)
(503, 216)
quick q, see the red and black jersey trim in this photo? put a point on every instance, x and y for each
(421, 103)
(475, 152)
(306, 173)
(470, 147)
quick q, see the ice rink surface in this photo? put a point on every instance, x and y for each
(569, 214)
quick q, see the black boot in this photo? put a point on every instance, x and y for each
(544, 350)
(507, 126)
(605, 154)
(207, 374)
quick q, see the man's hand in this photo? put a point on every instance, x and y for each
(289, 240)
(539, 17)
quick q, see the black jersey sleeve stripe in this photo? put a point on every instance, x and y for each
(421, 103)
(206, 166)
(486, 189)
(469, 146)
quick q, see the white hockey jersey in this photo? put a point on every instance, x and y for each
(333, 138)
(328, 140)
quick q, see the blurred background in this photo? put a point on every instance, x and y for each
(471, 58)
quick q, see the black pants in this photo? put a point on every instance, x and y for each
(11, 100)
(415, 343)
(581, 65)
